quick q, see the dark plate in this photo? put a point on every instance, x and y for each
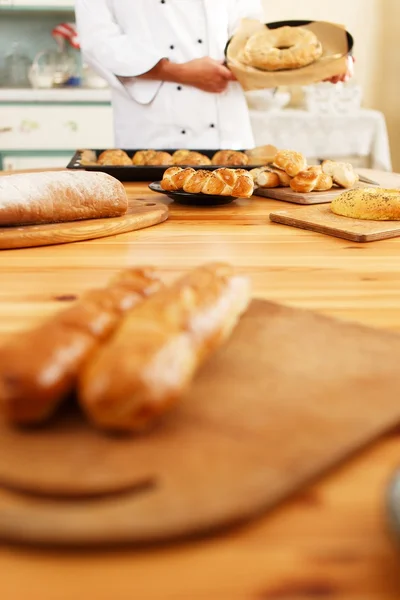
(192, 199)
(139, 173)
(303, 23)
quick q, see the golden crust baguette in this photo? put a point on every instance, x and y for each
(142, 370)
(39, 368)
(376, 204)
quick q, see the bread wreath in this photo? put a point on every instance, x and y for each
(283, 48)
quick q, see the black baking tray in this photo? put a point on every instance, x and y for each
(141, 173)
(301, 23)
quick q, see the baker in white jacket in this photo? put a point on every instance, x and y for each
(164, 62)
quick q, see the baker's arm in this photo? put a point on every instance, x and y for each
(103, 41)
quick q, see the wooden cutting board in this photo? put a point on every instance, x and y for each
(141, 213)
(291, 395)
(288, 195)
(322, 220)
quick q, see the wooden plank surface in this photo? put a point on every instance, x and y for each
(322, 220)
(329, 542)
(141, 213)
(286, 194)
(270, 429)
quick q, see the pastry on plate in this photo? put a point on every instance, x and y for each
(221, 182)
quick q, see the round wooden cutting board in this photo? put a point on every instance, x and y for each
(290, 395)
(142, 212)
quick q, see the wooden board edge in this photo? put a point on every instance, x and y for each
(326, 230)
(122, 226)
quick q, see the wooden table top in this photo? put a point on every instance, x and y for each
(328, 542)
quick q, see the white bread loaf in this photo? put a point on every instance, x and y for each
(57, 196)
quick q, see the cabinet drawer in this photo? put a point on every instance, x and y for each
(61, 127)
(13, 163)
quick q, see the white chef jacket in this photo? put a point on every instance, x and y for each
(126, 38)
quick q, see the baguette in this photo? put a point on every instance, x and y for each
(39, 368)
(142, 370)
(51, 197)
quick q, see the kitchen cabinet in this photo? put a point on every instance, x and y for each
(55, 127)
(45, 135)
(38, 4)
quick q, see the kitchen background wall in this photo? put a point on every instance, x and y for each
(31, 29)
(373, 23)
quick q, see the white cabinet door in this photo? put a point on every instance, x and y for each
(41, 3)
(13, 163)
(55, 127)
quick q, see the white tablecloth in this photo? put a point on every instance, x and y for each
(322, 136)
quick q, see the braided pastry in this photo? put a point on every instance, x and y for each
(221, 182)
(291, 162)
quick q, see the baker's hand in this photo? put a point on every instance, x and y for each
(206, 74)
(346, 76)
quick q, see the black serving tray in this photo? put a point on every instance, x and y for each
(141, 173)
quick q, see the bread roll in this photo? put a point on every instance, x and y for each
(376, 204)
(230, 158)
(311, 180)
(144, 368)
(291, 162)
(305, 181)
(263, 178)
(160, 159)
(142, 157)
(343, 174)
(261, 155)
(190, 158)
(39, 368)
(114, 157)
(35, 198)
